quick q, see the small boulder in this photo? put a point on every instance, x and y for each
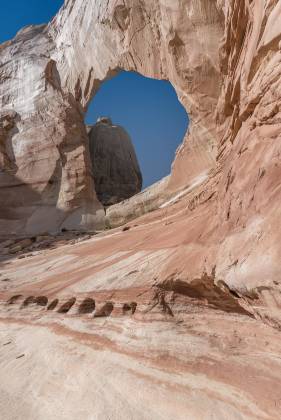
(24, 243)
(43, 238)
(15, 249)
(7, 243)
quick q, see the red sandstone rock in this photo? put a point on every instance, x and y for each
(203, 270)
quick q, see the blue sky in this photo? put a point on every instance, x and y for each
(148, 109)
(18, 13)
(150, 112)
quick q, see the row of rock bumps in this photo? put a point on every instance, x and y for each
(86, 306)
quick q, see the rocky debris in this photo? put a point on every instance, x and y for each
(115, 166)
(6, 244)
(23, 247)
(15, 246)
(15, 249)
(42, 238)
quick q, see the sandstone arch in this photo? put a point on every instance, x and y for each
(66, 61)
(221, 56)
(219, 246)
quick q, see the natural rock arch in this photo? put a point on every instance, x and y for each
(231, 90)
(57, 70)
(218, 248)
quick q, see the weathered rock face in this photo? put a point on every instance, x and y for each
(50, 73)
(116, 171)
(146, 201)
(45, 181)
(229, 85)
(206, 267)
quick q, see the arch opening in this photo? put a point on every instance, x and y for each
(135, 125)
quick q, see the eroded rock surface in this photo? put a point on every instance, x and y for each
(115, 167)
(122, 319)
(55, 72)
(203, 269)
(144, 202)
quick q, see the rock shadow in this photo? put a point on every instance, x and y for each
(53, 305)
(14, 299)
(87, 306)
(28, 301)
(41, 301)
(204, 289)
(129, 308)
(105, 310)
(67, 306)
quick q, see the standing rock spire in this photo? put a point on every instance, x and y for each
(116, 170)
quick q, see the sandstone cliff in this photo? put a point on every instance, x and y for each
(50, 73)
(188, 297)
(115, 167)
